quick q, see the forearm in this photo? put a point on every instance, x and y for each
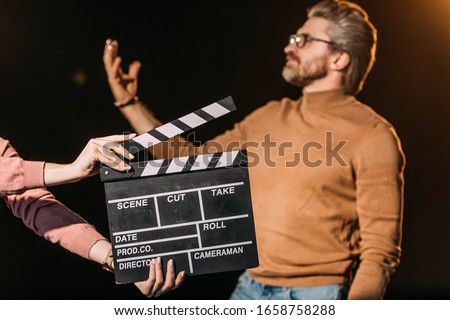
(140, 117)
(81, 239)
(48, 217)
(41, 212)
(55, 174)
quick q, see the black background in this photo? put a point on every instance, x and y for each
(193, 53)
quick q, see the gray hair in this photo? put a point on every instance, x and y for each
(354, 34)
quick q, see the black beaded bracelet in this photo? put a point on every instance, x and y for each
(133, 100)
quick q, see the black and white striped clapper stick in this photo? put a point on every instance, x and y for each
(180, 125)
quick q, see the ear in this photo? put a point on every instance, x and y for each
(340, 61)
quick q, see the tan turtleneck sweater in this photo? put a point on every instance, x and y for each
(326, 175)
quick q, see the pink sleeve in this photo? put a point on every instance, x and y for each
(77, 238)
(17, 175)
(46, 216)
(38, 208)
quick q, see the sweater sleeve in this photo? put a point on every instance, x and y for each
(16, 174)
(37, 207)
(47, 217)
(379, 170)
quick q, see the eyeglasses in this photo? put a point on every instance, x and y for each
(300, 40)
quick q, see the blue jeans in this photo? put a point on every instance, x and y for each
(249, 289)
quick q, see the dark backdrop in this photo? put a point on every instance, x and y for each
(54, 97)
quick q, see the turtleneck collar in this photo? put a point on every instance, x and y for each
(323, 100)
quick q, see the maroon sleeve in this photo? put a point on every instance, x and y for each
(40, 211)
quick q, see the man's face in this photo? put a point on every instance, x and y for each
(309, 63)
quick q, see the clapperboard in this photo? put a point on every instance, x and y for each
(195, 210)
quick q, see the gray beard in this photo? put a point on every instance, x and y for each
(309, 74)
(302, 81)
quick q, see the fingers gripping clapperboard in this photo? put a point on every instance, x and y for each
(195, 210)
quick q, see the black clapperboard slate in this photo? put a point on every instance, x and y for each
(195, 210)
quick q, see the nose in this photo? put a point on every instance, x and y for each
(290, 48)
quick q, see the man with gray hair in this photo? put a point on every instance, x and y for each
(334, 231)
